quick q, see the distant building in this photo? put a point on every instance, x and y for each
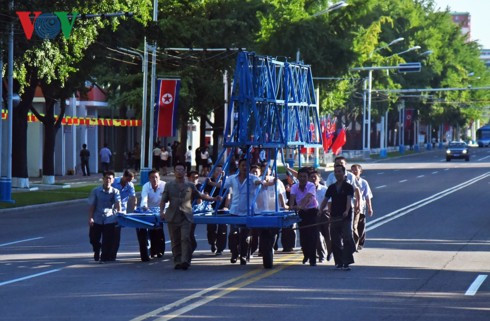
(485, 56)
(463, 19)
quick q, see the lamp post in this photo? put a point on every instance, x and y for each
(6, 182)
(366, 123)
(335, 6)
(384, 119)
(144, 103)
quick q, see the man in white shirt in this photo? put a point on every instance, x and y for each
(364, 207)
(188, 160)
(105, 157)
(324, 246)
(237, 239)
(151, 242)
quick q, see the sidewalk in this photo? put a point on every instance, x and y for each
(69, 181)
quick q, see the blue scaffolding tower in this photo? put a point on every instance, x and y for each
(273, 106)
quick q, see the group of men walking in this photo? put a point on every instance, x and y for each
(332, 214)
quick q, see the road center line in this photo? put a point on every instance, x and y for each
(29, 277)
(249, 277)
(382, 186)
(420, 176)
(435, 172)
(403, 180)
(476, 284)
(26, 240)
(483, 158)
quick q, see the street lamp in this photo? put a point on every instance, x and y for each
(335, 6)
(144, 66)
(366, 124)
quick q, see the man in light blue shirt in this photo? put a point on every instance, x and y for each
(240, 193)
(105, 157)
(105, 202)
(128, 201)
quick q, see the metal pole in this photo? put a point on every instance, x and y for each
(225, 86)
(152, 91)
(370, 84)
(1, 102)
(364, 116)
(144, 106)
(6, 182)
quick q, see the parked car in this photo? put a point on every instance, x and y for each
(457, 150)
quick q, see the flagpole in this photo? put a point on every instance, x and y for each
(152, 92)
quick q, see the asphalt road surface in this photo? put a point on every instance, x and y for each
(427, 257)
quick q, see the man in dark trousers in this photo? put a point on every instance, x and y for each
(198, 158)
(180, 194)
(338, 198)
(84, 158)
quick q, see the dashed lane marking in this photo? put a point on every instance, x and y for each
(476, 284)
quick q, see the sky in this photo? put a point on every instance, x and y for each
(480, 17)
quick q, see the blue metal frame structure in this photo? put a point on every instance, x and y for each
(273, 106)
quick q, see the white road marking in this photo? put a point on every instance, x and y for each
(483, 158)
(403, 180)
(26, 240)
(382, 186)
(28, 277)
(380, 173)
(420, 176)
(435, 172)
(446, 169)
(476, 284)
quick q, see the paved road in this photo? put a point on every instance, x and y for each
(427, 244)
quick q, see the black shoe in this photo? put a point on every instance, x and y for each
(243, 261)
(359, 247)
(96, 256)
(178, 266)
(346, 267)
(185, 266)
(287, 250)
(313, 262)
(321, 260)
(160, 255)
(218, 253)
(338, 266)
(305, 259)
(233, 259)
(213, 248)
(329, 257)
(145, 259)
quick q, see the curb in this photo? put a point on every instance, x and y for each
(44, 205)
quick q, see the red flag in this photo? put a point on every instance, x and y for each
(166, 107)
(408, 118)
(324, 135)
(339, 142)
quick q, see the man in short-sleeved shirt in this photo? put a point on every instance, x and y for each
(151, 241)
(104, 202)
(105, 157)
(128, 202)
(340, 211)
(179, 216)
(240, 193)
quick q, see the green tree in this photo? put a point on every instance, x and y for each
(54, 66)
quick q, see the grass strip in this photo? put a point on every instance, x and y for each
(51, 196)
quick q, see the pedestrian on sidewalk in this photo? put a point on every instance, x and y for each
(84, 158)
(105, 158)
(188, 160)
(180, 194)
(105, 202)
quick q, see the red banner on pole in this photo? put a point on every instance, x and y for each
(339, 142)
(166, 107)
